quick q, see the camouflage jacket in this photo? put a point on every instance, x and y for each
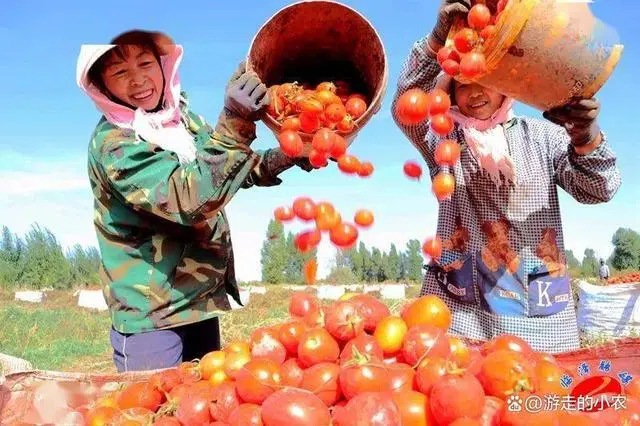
(165, 243)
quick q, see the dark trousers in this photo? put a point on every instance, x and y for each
(164, 348)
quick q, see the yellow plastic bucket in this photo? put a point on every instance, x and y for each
(320, 40)
(545, 52)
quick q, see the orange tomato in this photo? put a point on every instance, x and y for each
(212, 362)
(101, 416)
(364, 218)
(237, 346)
(430, 310)
(390, 334)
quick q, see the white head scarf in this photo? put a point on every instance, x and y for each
(163, 128)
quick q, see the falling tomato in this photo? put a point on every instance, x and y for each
(432, 247)
(447, 53)
(472, 65)
(442, 124)
(479, 17)
(310, 271)
(318, 159)
(339, 147)
(412, 170)
(283, 214)
(305, 208)
(346, 125)
(440, 102)
(307, 240)
(364, 218)
(447, 153)
(451, 67)
(443, 186)
(323, 140)
(366, 169)
(412, 107)
(465, 40)
(290, 143)
(348, 164)
(344, 235)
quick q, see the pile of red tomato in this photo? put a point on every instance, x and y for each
(352, 363)
(327, 219)
(326, 112)
(632, 277)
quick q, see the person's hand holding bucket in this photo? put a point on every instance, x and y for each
(579, 118)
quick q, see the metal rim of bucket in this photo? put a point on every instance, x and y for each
(377, 98)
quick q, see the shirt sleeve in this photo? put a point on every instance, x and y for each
(418, 71)
(152, 180)
(592, 178)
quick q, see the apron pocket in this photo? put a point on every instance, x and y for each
(549, 291)
(456, 278)
(502, 293)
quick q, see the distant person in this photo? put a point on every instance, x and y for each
(503, 268)
(161, 177)
(604, 270)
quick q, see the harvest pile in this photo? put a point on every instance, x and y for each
(632, 277)
(354, 363)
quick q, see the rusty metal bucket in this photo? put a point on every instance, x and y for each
(320, 40)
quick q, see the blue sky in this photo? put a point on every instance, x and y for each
(47, 121)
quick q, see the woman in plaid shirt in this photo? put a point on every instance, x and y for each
(503, 267)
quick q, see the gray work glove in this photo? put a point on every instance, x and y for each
(579, 118)
(448, 11)
(277, 162)
(245, 95)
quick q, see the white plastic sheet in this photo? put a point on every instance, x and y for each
(612, 310)
(92, 299)
(392, 291)
(30, 296)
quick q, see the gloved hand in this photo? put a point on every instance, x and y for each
(245, 95)
(579, 118)
(277, 162)
(447, 12)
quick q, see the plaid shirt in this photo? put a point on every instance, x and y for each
(503, 268)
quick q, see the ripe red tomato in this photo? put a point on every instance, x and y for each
(363, 344)
(326, 97)
(473, 64)
(447, 153)
(327, 85)
(308, 104)
(465, 40)
(344, 321)
(504, 372)
(344, 235)
(401, 377)
(258, 379)
(348, 164)
(356, 107)
(305, 208)
(443, 186)
(363, 218)
(302, 303)
(363, 375)
(447, 53)
(429, 372)
(339, 147)
(508, 342)
(283, 214)
(412, 170)
(210, 363)
(347, 124)
(323, 140)
(371, 409)
(193, 410)
(451, 67)
(491, 411)
(294, 406)
(454, 397)
(166, 380)
(290, 143)
(246, 415)
(424, 340)
(225, 400)
(291, 123)
(440, 102)
(315, 319)
(140, 395)
(335, 112)
(441, 124)
(318, 159)
(292, 373)
(548, 378)
(432, 247)
(309, 122)
(329, 220)
(289, 335)
(322, 380)
(488, 32)
(307, 240)
(317, 346)
(427, 310)
(412, 107)
(390, 334)
(268, 346)
(372, 309)
(414, 408)
(366, 169)
(460, 353)
(234, 363)
(478, 17)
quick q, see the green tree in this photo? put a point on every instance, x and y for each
(84, 264)
(626, 252)
(590, 264)
(572, 261)
(377, 267)
(356, 259)
(403, 267)
(393, 264)
(45, 264)
(414, 261)
(274, 254)
(342, 273)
